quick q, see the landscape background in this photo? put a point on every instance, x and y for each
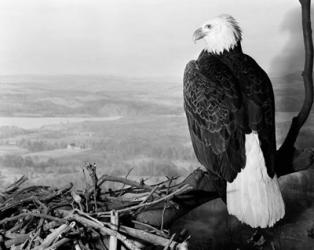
(101, 82)
(52, 125)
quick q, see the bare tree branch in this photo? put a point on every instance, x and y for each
(286, 151)
(204, 190)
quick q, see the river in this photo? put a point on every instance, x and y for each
(37, 122)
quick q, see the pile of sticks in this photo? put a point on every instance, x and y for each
(43, 217)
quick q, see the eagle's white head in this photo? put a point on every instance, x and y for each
(221, 33)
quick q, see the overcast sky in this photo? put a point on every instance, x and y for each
(139, 38)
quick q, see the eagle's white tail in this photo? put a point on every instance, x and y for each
(253, 197)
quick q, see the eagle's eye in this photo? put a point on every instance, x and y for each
(208, 26)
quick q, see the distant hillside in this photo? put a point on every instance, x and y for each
(87, 96)
(9, 131)
(114, 96)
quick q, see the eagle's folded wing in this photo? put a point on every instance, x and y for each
(213, 110)
(261, 108)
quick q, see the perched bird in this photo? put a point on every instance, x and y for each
(229, 105)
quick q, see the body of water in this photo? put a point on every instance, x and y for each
(37, 122)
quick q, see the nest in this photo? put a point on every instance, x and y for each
(44, 217)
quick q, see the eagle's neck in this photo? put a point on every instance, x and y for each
(234, 51)
(233, 59)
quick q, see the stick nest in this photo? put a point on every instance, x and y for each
(44, 217)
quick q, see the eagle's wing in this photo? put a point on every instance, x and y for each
(261, 108)
(212, 105)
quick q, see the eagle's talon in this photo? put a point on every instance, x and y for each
(258, 239)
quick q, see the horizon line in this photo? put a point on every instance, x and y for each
(121, 76)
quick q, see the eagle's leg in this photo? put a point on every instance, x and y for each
(259, 238)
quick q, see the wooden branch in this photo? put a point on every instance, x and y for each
(19, 239)
(150, 238)
(14, 186)
(45, 216)
(109, 229)
(203, 190)
(301, 160)
(149, 195)
(103, 230)
(59, 243)
(54, 235)
(114, 220)
(61, 191)
(181, 190)
(125, 181)
(169, 242)
(285, 153)
(149, 228)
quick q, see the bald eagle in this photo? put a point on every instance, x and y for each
(229, 105)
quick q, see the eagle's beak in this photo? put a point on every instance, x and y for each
(198, 34)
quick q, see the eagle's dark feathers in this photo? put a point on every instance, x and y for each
(225, 98)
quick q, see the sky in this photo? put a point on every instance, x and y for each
(138, 38)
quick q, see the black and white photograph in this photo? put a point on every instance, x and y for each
(156, 124)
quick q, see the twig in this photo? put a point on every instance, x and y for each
(127, 175)
(150, 238)
(165, 206)
(61, 191)
(31, 240)
(45, 211)
(105, 177)
(150, 228)
(59, 243)
(77, 199)
(87, 190)
(147, 198)
(166, 181)
(113, 241)
(15, 185)
(91, 168)
(45, 216)
(169, 242)
(150, 194)
(19, 239)
(103, 230)
(181, 190)
(51, 225)
(52, 237)
(27, 191)
(77, 246)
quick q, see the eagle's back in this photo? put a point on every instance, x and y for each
(213, 106)
(258, 100)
